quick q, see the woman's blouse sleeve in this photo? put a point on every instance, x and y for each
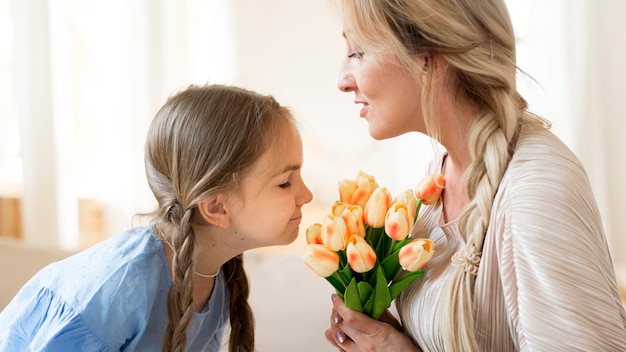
(558, 280)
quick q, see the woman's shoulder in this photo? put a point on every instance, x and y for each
(546, 185)
(542, 160)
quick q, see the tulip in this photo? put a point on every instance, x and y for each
(408, 198)
(398, 222)
(429, 189)
(338, 208)
(314, 234)
(346, 190)
(360, 255)
(353, 217)
(320, 259)
(414, 255)
(366, 185)
(376, 207)
(334, 233)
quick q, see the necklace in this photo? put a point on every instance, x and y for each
(195, 272)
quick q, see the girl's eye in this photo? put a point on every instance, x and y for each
(285, 185)
(355, 55)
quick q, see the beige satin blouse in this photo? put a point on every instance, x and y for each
(546, 280)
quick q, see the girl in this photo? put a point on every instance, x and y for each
(521, 261)
(224, 184)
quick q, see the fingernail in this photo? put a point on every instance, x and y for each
(333, 297)
(340, 336)
(336, 318)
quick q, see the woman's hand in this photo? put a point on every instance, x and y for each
(353, 331)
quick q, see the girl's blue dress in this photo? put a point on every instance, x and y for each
(110, 297)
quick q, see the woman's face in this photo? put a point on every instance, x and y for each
(390, 93)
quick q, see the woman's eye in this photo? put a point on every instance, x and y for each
(355, 55)
(285, 185)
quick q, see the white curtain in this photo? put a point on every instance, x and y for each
(576, 50)
(89, 75)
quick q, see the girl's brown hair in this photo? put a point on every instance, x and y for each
(202, 142)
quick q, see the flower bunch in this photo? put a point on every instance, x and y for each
(363, 246)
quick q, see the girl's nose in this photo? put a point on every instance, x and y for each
(306, 196)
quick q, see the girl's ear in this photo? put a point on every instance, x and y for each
(213, 211)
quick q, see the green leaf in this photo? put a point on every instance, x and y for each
(365, 291)
(346, 273)
(339, 286)
(391, 265)
(404, 282)
(401, 244)
(352, 297)
(382, 244)
(381, 296)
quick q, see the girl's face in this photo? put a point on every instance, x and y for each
(390, 93)
(269, 209)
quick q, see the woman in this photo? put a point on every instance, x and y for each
(521, 261)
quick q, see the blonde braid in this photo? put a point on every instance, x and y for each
(489, 146)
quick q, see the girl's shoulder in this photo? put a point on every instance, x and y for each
(130, 264)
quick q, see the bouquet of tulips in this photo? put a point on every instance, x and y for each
(364, 249)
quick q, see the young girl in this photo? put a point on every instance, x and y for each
(521, 261)
(224, 165)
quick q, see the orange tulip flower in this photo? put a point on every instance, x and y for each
(398, 222)
(353, 217)
(360, 255)
(346, 190)
(416, 254)
(334, 233)
(408, 198)
(429, 189)
(314, 234)
(357, 191)
(320, 259)
(376, 207)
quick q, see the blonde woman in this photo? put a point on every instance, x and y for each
(224, 184)
(521, 261)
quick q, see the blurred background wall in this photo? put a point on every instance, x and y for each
(81, 80)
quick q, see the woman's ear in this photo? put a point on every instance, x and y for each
(213, 211)
(433, 65)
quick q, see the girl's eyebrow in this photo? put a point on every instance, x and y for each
(288, 168)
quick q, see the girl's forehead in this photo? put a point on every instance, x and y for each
(282, 152)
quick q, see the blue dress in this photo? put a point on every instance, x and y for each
(110, 297)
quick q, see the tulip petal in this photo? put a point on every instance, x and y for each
(320, 259)
(429, 189)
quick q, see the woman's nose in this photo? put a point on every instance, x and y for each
(346, 80)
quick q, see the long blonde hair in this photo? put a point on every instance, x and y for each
(476, 38)
(201, 142)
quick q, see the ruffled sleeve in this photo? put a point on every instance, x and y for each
(44, 322)
(558, 282)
